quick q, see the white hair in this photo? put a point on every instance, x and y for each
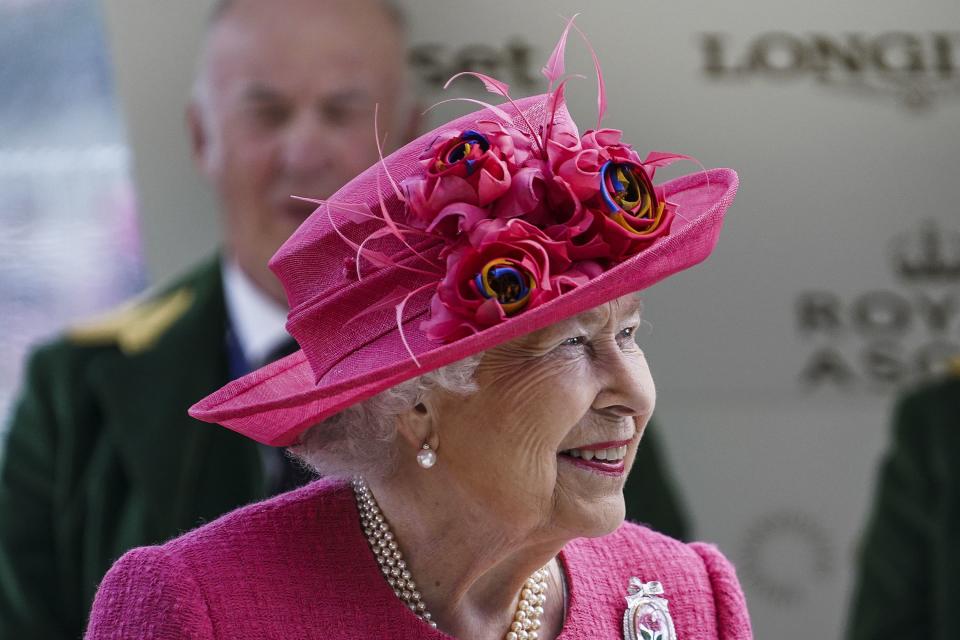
(361, 440)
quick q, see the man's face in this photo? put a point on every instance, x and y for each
(286, 107)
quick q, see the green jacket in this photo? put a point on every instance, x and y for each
(102, 457)
(908, 577)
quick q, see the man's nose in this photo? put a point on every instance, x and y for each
(307, 147)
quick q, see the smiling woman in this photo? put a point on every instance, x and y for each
(470, 386)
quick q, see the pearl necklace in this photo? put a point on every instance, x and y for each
(526, 619)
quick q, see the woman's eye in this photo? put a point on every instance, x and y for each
(628, 332)
(574, 342)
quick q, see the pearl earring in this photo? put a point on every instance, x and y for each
(426, 457)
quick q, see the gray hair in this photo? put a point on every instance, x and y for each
(361, 440)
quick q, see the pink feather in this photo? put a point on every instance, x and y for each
(374, 257)
(555, 63)
(354, 215)
(388, 220)
(500, 88)
(664, 158)
(601, 85)
(492, 84)
(378, 259)
(313, 200)
(381, 233)
(376, 135)
(500, 113)
(362, 214)
(656, 159)
(400, 307)
(553, 103)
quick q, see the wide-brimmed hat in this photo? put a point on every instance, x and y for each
(499, 223)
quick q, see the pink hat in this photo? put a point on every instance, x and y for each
(494, 225)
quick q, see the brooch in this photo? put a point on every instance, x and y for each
(647, 616)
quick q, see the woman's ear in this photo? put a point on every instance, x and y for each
(417, 426)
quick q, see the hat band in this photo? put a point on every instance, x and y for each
(331, 327)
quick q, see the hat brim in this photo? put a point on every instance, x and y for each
(275, 404)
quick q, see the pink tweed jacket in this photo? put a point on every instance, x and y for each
(298, 566)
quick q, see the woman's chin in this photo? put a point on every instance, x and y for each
(598, 517)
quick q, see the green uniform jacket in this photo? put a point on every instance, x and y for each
(908, 582)
(102, 457)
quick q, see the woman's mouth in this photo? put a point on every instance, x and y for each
(606, 458)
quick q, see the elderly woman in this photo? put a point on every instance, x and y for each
(470, 388)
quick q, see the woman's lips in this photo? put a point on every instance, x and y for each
(609, 468)
(600, 457)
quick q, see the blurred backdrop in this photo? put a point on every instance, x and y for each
(70, 244)
(835, 282)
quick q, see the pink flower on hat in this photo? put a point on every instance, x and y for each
(471, 168)
(502, 268)
(579, 164)
(630, 213)
(621, 211)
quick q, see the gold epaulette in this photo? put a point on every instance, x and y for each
(136, 325)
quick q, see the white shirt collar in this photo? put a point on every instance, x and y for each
(257, 320)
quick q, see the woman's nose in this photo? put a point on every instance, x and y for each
(628, 388)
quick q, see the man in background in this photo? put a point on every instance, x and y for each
(101, 455)
(908, 572)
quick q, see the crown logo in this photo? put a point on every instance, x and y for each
(927, 254)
